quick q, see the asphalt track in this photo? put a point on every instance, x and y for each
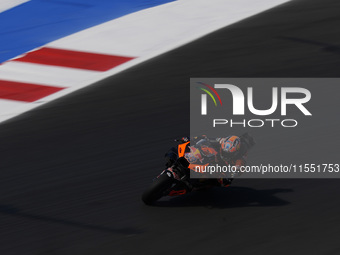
(73, 170)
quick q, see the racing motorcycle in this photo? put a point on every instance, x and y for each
(175, 180)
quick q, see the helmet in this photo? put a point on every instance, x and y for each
(230, 146)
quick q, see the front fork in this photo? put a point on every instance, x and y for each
(180, 186)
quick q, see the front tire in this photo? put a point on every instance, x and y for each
(157, 189)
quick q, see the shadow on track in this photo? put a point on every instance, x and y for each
(12, 211)
(228, 198)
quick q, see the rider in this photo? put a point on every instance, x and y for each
(231, 150)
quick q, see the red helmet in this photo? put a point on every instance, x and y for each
(230, 146)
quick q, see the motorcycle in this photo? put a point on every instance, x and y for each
(175, 180)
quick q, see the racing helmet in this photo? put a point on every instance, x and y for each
(230, 146)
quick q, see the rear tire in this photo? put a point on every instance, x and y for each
(157, 189)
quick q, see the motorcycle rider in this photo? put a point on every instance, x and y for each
(231, 150)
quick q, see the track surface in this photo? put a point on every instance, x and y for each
(73, 170)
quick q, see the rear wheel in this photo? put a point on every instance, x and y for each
(157, 189)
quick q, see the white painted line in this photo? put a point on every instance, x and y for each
(163, 28)
(44, 74)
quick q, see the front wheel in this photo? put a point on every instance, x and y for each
(157, 189)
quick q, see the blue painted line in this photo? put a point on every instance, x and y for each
(38, 22)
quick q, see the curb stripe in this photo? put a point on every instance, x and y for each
(61, 67)
(37, 22)
(25, 92)
(73, 59)
(55, 76)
